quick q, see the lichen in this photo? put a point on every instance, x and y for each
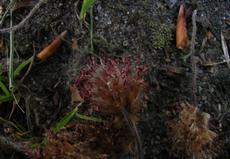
(161, 34)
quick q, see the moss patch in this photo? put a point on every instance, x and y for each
(161, 34)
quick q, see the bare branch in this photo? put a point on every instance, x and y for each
(21, 24)
(225, 49)
(193, 60)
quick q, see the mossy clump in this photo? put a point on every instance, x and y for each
(161, 34)
(190, 134)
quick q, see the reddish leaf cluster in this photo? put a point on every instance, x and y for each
(190, 133)
(81, 141)
(113, 85)
(72, 144)
(110, 87)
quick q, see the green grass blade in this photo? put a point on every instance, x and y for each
(11, 124)
(66, 119)
(4, 89)
(22, 65)
(89, 118)
(5, 99)
(87, 4)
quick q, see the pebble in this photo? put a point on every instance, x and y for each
(99, 8)
(125, 43)
(109, 22)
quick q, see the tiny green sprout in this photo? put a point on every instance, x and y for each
(87, 4)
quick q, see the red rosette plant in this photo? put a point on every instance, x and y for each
(113, 85)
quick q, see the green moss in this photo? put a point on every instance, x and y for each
(161, 34)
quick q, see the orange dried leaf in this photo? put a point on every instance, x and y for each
(182, 40)
(51, 48)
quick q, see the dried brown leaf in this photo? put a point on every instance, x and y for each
(51, 48)
(182, 40)
(75, 95)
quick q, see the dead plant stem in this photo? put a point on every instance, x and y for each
(6, 144)
(7, 10)
(11, 56)
(91, 29)
(134, 131)
(21, 24)
(193, 59)
(225, 49)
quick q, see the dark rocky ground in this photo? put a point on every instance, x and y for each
(144, 28)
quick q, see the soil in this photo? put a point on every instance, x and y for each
(141, 28)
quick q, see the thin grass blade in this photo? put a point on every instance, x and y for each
(4, 89)
(22, 66)
(89, 118)
(5, 99)
(66, 119)
(87, 4)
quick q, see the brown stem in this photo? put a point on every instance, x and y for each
(135, 133)
(193, 60)
(21, 24)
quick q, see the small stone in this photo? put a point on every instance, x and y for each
(99, 8)
(109, 22)
(125, 43)
(204, 98)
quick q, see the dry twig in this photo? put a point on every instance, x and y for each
(21, 24)
(6, 144)
(135, 133)
(225, 49)
(193, 60)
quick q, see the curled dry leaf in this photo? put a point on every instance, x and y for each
(182, 40)
(51, 48)
(75, 95)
